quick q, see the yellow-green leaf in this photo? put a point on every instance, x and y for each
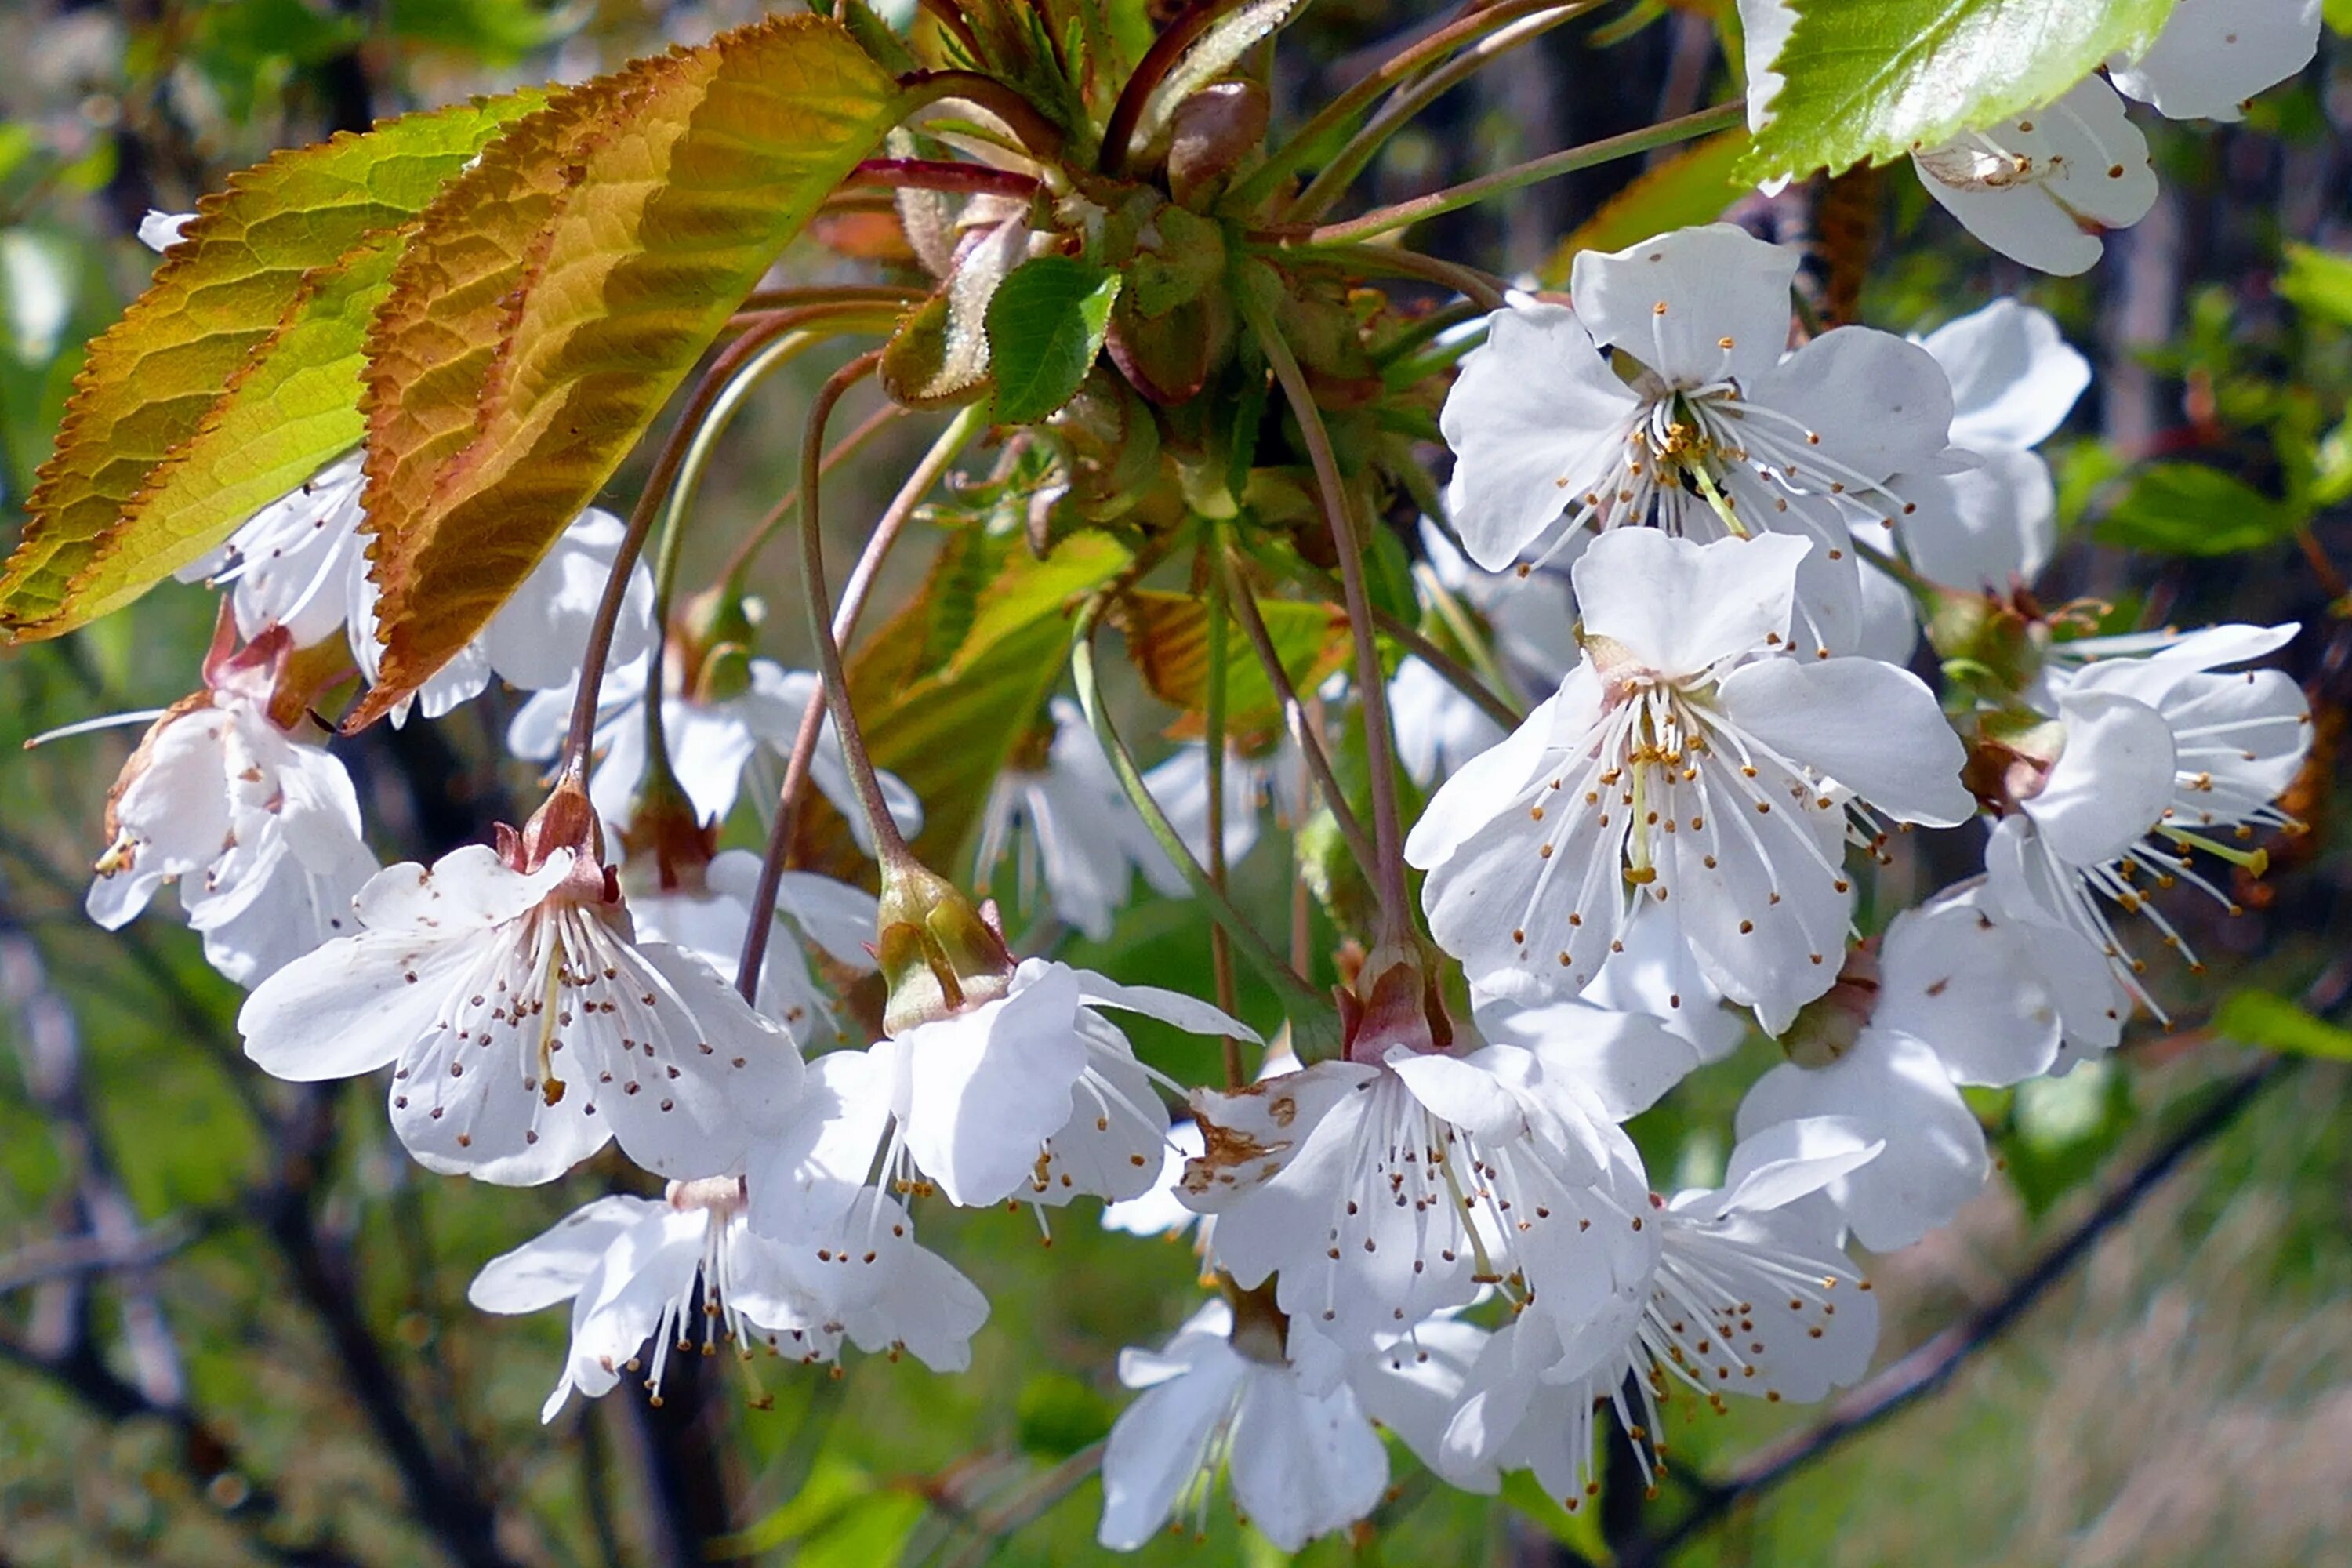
(245, 273)
(695, 170)
(945, 721)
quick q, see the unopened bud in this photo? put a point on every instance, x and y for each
(1827, 1027)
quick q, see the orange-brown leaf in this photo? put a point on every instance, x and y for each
(668, 190)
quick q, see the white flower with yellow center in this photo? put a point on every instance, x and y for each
(524, 1024)
(1688, 758)
(1712, 429)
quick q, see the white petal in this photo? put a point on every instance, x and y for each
(982, 1092)
(1158, 1444)
(1870, 727)
(1678, 607)
(2110, 783)
(553, 1265)
(2214, 54)
(1895, 1090)
(1412, 1388)
(348, 1007)
(1871, 404)
(1672, 302)
(1534, 419)
(1626, 1061)
(1303, 1466)
(1781, 1162)
(1966, 985)
(1467, 801)
(2088, 167)
(2014, 378)
(1187, 1013)
(1983, 528)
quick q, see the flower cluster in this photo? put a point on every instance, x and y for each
(1705, 553)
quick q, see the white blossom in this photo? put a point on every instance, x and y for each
(1382, 1192)
(1749, 1293)
(1688, 757)
(812, 914)
(1267, 1403)
(525, 1026)
(2160, 756)
(686, 1273)
(2042, 186)
(256, 823)
(1033, 1095)
(1069, 825)
(1717, 430)
(1953, 996)
(2214, 54)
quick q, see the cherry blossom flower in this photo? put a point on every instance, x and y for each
(1749, 1293)
(711, 742)
(525, 1025)
(642, 1273)
(1381, 1193)
(2214, 54)
(301, 563)
(1718, 432)
(1265, 1401)
(254, 821)
(1952, 996)
(1032, 1095)
(816, 913)
(2042, 186)
(1690, 757)
(1069, 825)
(2158, 757)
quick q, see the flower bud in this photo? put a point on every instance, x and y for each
(939, 953)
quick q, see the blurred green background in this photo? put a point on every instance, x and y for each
(275, 1361)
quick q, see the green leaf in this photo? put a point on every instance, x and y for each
(1046, 325)
(2061, 1128)
(2338, 13)
(2187, 509)
(945, 721)
(2274, 1022)
(1693, 186)
(668, 189)
(2317, 282)
(1870, 83)
(232, 284)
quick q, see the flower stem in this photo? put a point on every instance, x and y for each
(1536, 170)
(933, 175)
(888, 531)
(661, 780)
(1481, 288)
(747, 549)
(1475, 23)
(889, 848)
(1221, 952)
(1388, 831)
(1304, 998)
(573, 762)
(1293, 712)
